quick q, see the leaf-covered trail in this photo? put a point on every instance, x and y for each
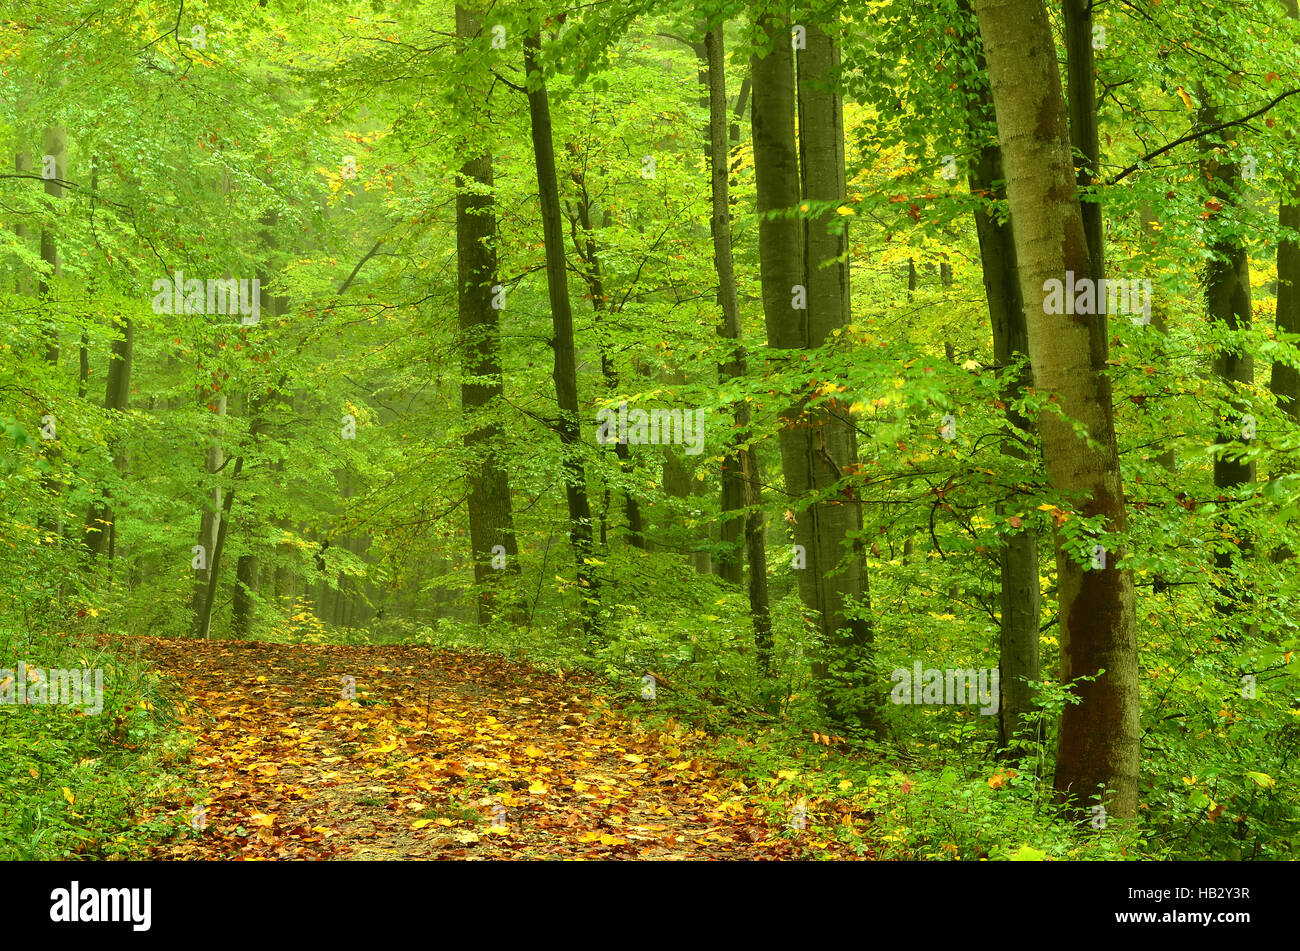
(441, 755)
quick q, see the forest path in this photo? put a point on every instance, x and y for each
(442, 755)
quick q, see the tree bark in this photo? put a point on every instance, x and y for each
(100, 524)
(741, 486)
(1020, 596)
(830, 450)
(565, 371)
(1285, 381)
(1100, 742)
(584, 245)
(1081, 88)
(491, 518)
(1227, 298)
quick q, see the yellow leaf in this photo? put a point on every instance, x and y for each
(262, 819)
(612, 840)
(1263, 779)
(72, 800)
(533, 752)
(421, 823)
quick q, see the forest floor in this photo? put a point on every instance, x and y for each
(441, 755)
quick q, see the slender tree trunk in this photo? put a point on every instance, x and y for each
(56, 148)
(584, 245)
(1018, 656)
(566, 371)
(1081, 89)
(23, 282)
(491, 518)
(1285, 382)
(204, 615)
(740, 483)
(210, 521)
(1227, 298)
(1100, 742)
(117, 396)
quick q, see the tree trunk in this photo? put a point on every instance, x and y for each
(246, 575)
(585, 247)
(740, 483)
(1100, 742)
(1227, 298)
(23, 282)
(565, 372)
(830, 450)
(117, 396)
(1018, 660)
(56, 146)
(1081, 88)
(204, 614)
(1285, 382)
(491, 519)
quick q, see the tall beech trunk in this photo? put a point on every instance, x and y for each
(781, 251)
(1081, 89)
(566, 371)
(491, 518)
(741, 486)
(1020, 597)
(1285, 381)
(23, 282)
(585, 246)
(1100, 741)
(1227, 300)
(210, 520)
(55, 145)
(203, 616)
(830, 449)
(100, 523)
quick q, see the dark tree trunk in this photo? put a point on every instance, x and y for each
(491, 518)
(741, 486)
(566, 371)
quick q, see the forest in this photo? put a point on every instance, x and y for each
(720, 430)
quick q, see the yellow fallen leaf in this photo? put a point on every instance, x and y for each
(262, 819)
(421, 823)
